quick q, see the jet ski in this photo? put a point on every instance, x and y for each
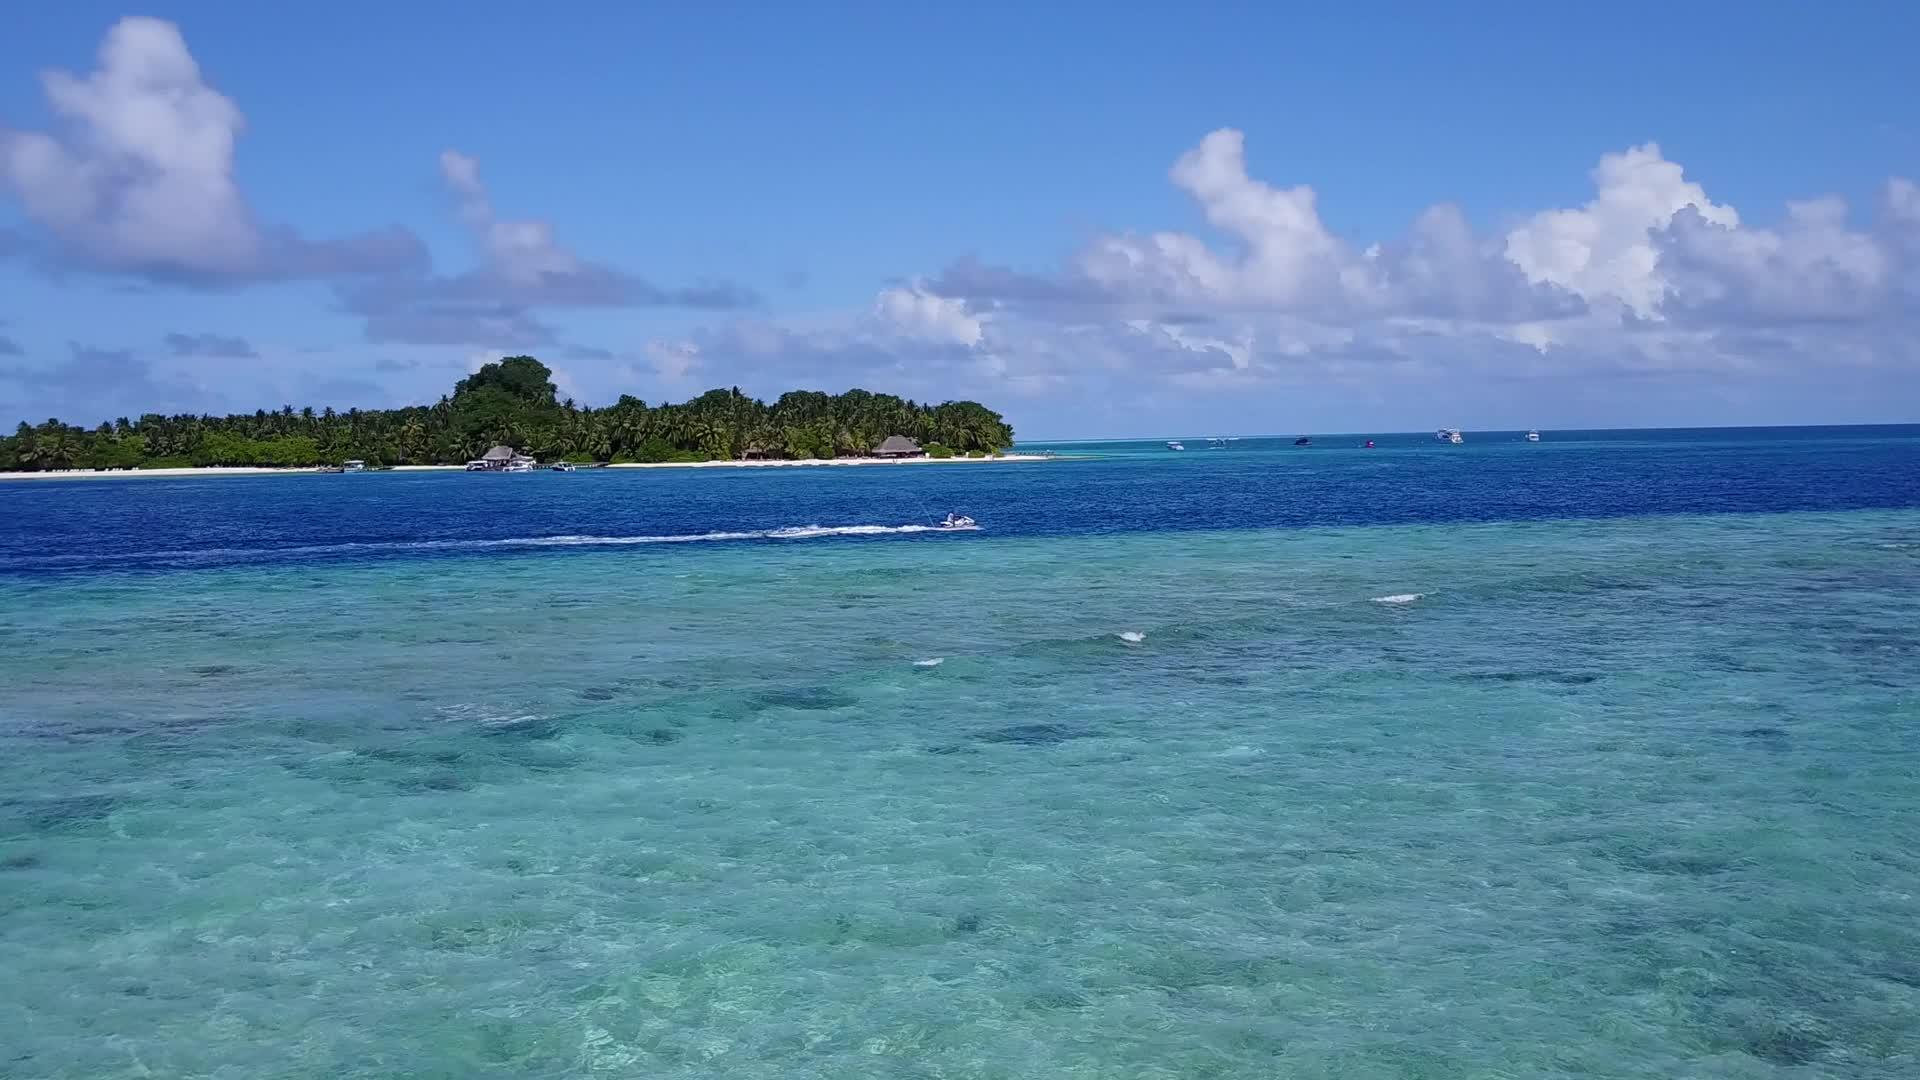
(958, 521)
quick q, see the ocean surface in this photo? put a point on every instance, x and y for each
(1597, 757)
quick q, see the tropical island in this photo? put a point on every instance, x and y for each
(513, 402)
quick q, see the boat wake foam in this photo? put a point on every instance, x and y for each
(207, 556)
(794, 532)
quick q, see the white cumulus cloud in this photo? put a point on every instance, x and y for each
(1812, 266)
(1605, 250)
(147, 175)
(918, 313)
(1649, 283)
(1286, 255)
(522, 267)
(141, 178)
(522, 252)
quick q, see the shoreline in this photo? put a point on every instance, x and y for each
(267, 470)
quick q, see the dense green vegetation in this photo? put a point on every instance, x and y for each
(512, 402)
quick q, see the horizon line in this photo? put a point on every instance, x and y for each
(1483, 431)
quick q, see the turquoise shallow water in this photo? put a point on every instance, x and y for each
(1632, 797)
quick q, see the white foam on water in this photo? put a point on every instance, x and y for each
(934, 661)
(520, 720)
(486, 716)
(791, 532)
(1399, 598)
(1132, 637)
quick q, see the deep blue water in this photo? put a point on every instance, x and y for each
(1106, 488)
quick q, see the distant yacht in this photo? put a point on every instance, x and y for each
(1303, 441)
(1533, 436)
(1449, 435)
(1174, 446)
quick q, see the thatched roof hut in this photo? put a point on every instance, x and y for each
(897, 446)
(499, 455)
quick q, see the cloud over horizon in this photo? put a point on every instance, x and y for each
(522, 268)
(94, 380)
(1649, 245)
(1650, 280)
(141, 179)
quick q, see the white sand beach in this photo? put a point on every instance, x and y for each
(218, 470)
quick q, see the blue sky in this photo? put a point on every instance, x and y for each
(1101, 221)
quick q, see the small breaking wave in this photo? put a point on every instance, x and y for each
(1399, 598)
(1132, 637)
(932, 661)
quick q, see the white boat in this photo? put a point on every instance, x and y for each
(518, 466)
(1533, 436)
(355, 465)
(1175, 446)
(1449, 435)
(562, 466)
(477, 465)
(958, 521)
